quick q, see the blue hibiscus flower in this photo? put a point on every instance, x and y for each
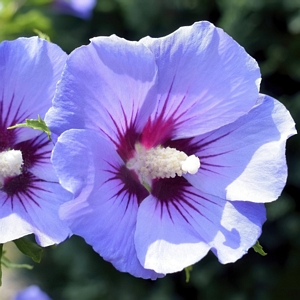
(168, 148)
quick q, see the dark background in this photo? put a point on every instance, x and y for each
(269, 30)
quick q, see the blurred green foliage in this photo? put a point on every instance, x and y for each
(269, 30)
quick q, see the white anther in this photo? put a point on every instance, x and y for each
(11, 162)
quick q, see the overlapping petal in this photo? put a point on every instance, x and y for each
(246, 159)
(205, 79)
(35, 211)
(104, 211)
(241, 226)
(174, 234)
(30, 69)
(117, 90)
(165, 241)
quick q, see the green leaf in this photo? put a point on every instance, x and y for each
(42, 35)
(38, 124)
(1, 247)
(187, 273)
(259, 249)
(29, 248)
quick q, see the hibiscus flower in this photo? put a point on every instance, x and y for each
(30, 194)
(32, 292)
(79, 8)
(168, 148)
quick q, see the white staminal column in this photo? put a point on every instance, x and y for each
(162, 162)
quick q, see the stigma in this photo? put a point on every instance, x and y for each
(11, 162)
(162, 162)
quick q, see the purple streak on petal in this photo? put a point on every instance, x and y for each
(160, 129)
(245, 160)
(109, 85)
(171, 235)
(21, 188)
(129, 186)
(176, 191)
(193, 145)
(35, 66)
(125, 140)
(33, 208)
(10, 116)
(202, 74)
(8, 137)
(30, 69)
(4, 117)
(33, 153)
(166, 238)
(156, 132)
(19, 196)
(105, 206)
(37, 153)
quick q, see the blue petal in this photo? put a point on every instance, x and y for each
(205, 79)
(179, 231)
(35, 211)
(246, 159)
(108, 86)
(241, 227)
(30, 69)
